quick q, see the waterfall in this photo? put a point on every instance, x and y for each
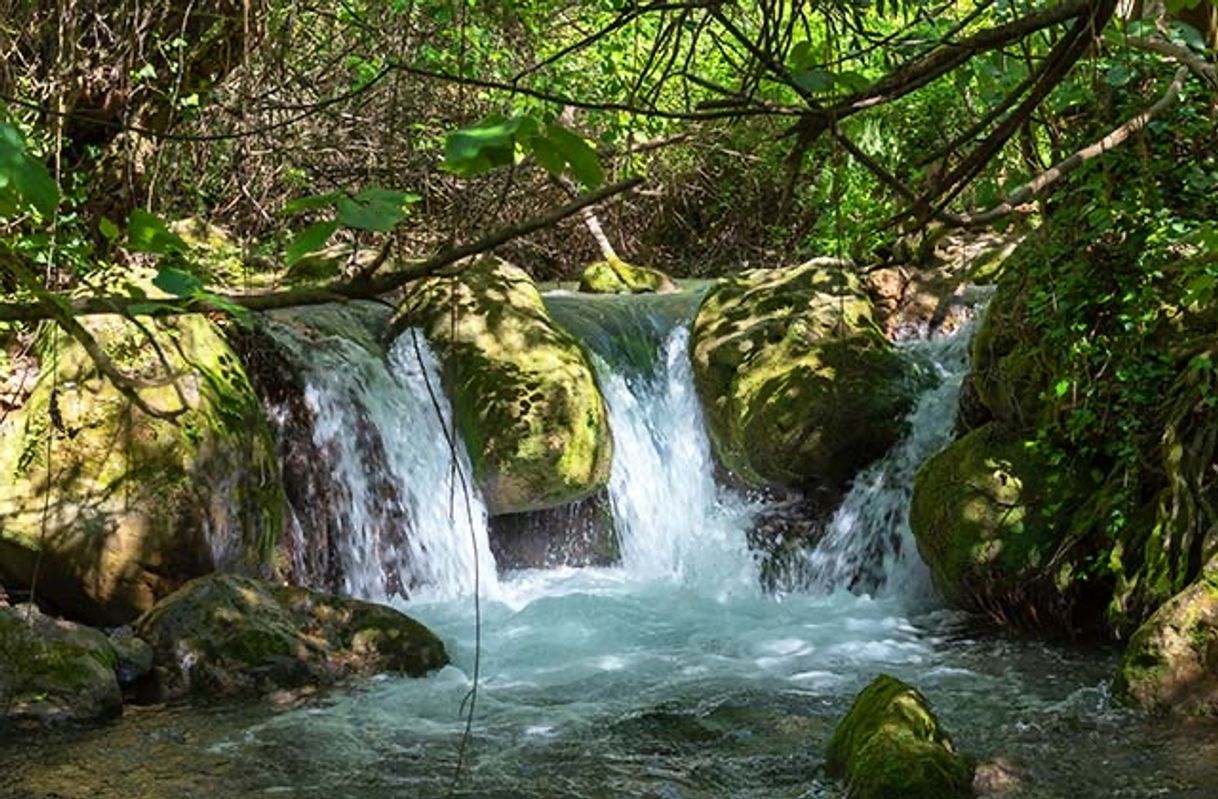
(379, 429)
(868, 545)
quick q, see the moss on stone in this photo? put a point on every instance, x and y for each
(137, 504)
(797, 382)
(890, 744)
(526, 401)
(615, 276)
(224, 635)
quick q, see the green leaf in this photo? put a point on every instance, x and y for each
(378, 217)
(108, 229)
(480, 148)
(144, 308)
(24, 176)
(1061, 387)
(582, 159)
(312, 203)
(547, 155)
(148, 233)
(176, 282)
(814, 80)
(801, 58)
(1118, 75)
(237, 312)
(312, 238)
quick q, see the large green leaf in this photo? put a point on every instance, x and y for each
(23, 177)
(176, 282)
(313, 202)
(584, 163)
(489, 144)
(148, 233)
(312, 238)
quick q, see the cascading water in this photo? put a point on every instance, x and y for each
(671, 675)
(382, 423)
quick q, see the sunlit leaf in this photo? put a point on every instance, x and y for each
(148, 233)
(176, 282)
(312, 238)
(583, 160)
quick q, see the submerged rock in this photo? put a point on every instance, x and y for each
(53, 670)
(525, 398)
(125, 507)
(798, 384)
(225, 635)
(891, 746)
(1171, 663)
(614, 276)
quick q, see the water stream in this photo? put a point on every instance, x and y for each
(671, 675)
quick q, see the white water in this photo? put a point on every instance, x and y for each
(403, 519)
(673, 521)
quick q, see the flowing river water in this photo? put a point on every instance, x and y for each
(670, 675)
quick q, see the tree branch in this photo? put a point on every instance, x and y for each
(338, 291)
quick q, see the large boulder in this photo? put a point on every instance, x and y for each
(891, 746)
(1171, 662)
(54, 671)
(989, 513)
(227, 635)
(798, 384)
(615, 276)
(525, 398)
(115, 508)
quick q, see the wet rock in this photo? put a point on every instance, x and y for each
(133, 656)
(54, 671)
(524, 396)
(891, 745)
(982, 516)
(798, 384)
(578, 534)
(614, 276)
(1171, 662)
(125, 507)
(227, 635)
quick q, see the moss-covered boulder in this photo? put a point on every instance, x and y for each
(526, 401)
(54, 671)
(798, 384)
(227, 635)
(891, 746)
(1171, 662)
(116, 508)
(989, 514)
(615, 276)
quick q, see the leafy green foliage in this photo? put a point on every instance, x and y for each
(374, 209)
(24, 179)
(497, 140)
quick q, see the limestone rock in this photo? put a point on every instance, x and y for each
(614, 276)
(136, 505)
(54, 671)
(798, 384)
(1171, 663)
(525, 398)
(891, 745)
(226, 635)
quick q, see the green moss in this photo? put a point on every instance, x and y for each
(525, 399)
(797, 382)
(890, 744)
(614, 276)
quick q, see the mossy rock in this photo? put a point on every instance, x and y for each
(798, 384)
(891, 746)
(54, 671)
(224, 635)
(989, 515)
(1011, 372)
(124, 507)
(526, 401)
(1171, 662)
(614, 276)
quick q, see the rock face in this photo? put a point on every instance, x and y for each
(798, 384)
(1171, 663)
(891, 745)
(226, 635)
(136, 505)
(614, 276)
(577, 534)
(982, 513)
(525, 398)
(54, 671)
